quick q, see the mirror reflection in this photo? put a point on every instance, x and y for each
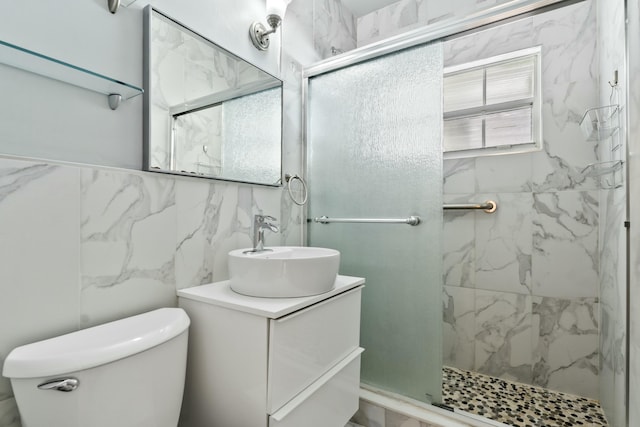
(208, 113)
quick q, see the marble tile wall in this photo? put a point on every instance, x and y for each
(633, 32)
(613, 332)
(324, 28)
(521, 298)
(406, 15)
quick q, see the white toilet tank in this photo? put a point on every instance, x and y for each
(127, 373)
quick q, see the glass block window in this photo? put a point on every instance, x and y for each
(493, 106)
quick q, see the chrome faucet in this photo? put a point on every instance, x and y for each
(261, 223)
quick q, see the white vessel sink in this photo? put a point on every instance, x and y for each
(284, 271)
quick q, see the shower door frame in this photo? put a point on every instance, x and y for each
(437, 32)
(496, 15)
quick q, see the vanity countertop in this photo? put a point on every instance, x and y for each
(219, 293)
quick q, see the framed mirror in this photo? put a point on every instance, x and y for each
(207, 112)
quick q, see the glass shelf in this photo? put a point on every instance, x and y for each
(25, 59)
(600, 123)
(609, 173)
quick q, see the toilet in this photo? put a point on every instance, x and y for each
(125, 373)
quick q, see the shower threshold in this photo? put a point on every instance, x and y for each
(516, 404)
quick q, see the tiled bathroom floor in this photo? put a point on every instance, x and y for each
(517, 404)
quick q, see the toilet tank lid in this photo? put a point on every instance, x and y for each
(95, 346)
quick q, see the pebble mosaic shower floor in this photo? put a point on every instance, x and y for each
(517, 404)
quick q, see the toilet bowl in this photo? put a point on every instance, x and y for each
(125, 373)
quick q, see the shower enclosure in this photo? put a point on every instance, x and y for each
(375, 153)
(534, 293)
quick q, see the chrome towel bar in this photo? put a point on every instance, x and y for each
(489, 206)
(412, 220)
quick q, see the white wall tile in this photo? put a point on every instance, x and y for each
(459, 321)
(197, 207)
(491, 42)
(459, 176)
(633, 30)
(334, 26)
(565, 151)
(566, 345)
(504, 174)
(503, 335)
(568, 35)
(565, 257)
(459, 246)
(504, 245)
(128, 244)
(39, 249)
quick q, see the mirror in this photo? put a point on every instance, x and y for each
(207, 112)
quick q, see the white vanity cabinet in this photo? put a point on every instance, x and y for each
(272, 362)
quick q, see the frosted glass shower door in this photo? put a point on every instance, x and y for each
(374, 151)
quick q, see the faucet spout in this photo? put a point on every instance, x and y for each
(260, 224)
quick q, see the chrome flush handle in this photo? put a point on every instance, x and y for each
(60, 384)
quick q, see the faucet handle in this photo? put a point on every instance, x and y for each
(259, 218)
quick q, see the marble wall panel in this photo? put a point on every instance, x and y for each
(459, 246)
(39, 254)
(406, 15)
(200, 211)
(127, 263)
(633, 31)
(568, 35)
(606, 368)
(504, 335)
(613, 335)
(459, 318)
(296, 35)
(566, 153)
(565, 257)
(504, 245)
(389, 20)
(504, 174)
(459, 176)
(565, 341)
(491, 42)
(334, 28)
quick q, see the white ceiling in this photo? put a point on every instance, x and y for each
(362, 7)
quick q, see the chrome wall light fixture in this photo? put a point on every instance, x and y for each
(275, 13)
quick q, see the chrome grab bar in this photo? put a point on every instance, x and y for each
(412, 220)
(489, 206)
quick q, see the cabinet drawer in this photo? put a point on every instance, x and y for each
(329, 402)
(306, 344)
